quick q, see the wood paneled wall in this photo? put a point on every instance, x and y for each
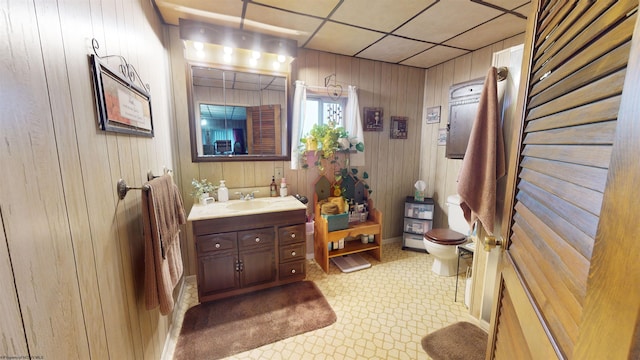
(71, 252)
(439, 172)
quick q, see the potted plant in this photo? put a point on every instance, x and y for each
(202, 189)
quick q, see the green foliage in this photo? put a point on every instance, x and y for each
(202, 186)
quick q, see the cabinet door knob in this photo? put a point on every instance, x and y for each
(293, 253)
(217, 245)
(293, 271)
(293, 235)
(257, 239)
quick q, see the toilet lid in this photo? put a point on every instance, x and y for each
(445, 237)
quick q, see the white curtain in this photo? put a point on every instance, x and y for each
(299, 98)
(353, 125)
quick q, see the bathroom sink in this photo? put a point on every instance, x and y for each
(234, 207)
(248, 205)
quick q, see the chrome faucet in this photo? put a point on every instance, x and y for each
(249, 196)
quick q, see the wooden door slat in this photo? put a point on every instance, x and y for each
(593, 24)
(600, 89)
(567, 230)
(587, 155)
(555, 283)
(547, 16)
(555, 20)
(589, 177)
(601, 133)
(572, 264)
(583, 220)
(611, 55)
(603, 110)
(579, 196)
(563, 27)
(533, 283)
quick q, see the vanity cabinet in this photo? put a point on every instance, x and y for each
(231, 261)
(240, 254)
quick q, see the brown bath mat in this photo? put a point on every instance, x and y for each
(229, 326)
(460, 341)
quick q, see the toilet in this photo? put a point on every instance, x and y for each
(442, 243)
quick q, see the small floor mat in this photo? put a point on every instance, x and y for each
(350, 263)
(460, 341)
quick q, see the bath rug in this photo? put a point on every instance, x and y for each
(460, 341)
(224, 327)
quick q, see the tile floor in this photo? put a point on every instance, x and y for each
(383, 311)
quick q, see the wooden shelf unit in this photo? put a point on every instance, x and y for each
(322, 237)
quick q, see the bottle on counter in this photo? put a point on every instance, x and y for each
(273, 188)
(283, 187)
(223, 192)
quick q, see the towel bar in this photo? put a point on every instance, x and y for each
(123, 189)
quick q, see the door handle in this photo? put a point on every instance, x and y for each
(491, 242)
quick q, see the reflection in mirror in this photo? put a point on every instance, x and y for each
(238, 115)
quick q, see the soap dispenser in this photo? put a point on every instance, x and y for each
(223, 192)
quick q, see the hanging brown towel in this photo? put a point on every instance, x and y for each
(484, 161)
(162, 215)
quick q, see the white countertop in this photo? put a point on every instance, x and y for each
(244, 207)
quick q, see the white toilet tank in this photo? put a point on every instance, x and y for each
(457, 222)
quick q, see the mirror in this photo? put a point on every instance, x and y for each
(237, 115)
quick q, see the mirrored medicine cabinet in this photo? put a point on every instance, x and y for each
(237, 115)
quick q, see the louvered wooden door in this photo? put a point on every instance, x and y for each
(263, 130)
(576, 55)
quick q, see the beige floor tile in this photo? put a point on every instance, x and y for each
(383, 311)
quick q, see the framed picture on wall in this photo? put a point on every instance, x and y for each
(398, 127)
(433, 115)
(442, 137)
(372, 119)
(122, 106)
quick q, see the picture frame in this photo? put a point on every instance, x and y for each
(122, 106)
(433, 115)
(398, 127)
(442, 137)
(373, 119)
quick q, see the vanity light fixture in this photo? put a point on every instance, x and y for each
(260, 44)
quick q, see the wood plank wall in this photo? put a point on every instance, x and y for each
(71, 253)
(436, 170)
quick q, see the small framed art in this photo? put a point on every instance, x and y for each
(398, 127)
(433, 115)
(373, 119)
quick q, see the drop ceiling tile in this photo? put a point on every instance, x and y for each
(378, 14)
(280, 23)
(525, 10)
(222, 12)
(507, 4)
(394, 49)
(312, 7)
(447, 19)
(434, 56)
(342, 39)
(501, 28)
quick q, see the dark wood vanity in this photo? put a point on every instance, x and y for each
(245, 253)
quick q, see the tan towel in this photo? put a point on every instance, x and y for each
(483, 161)
(162, 214)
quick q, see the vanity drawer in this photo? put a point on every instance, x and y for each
(256, 238)
(292, 269)
(292, 252)
(291, 234)
(216, 243)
